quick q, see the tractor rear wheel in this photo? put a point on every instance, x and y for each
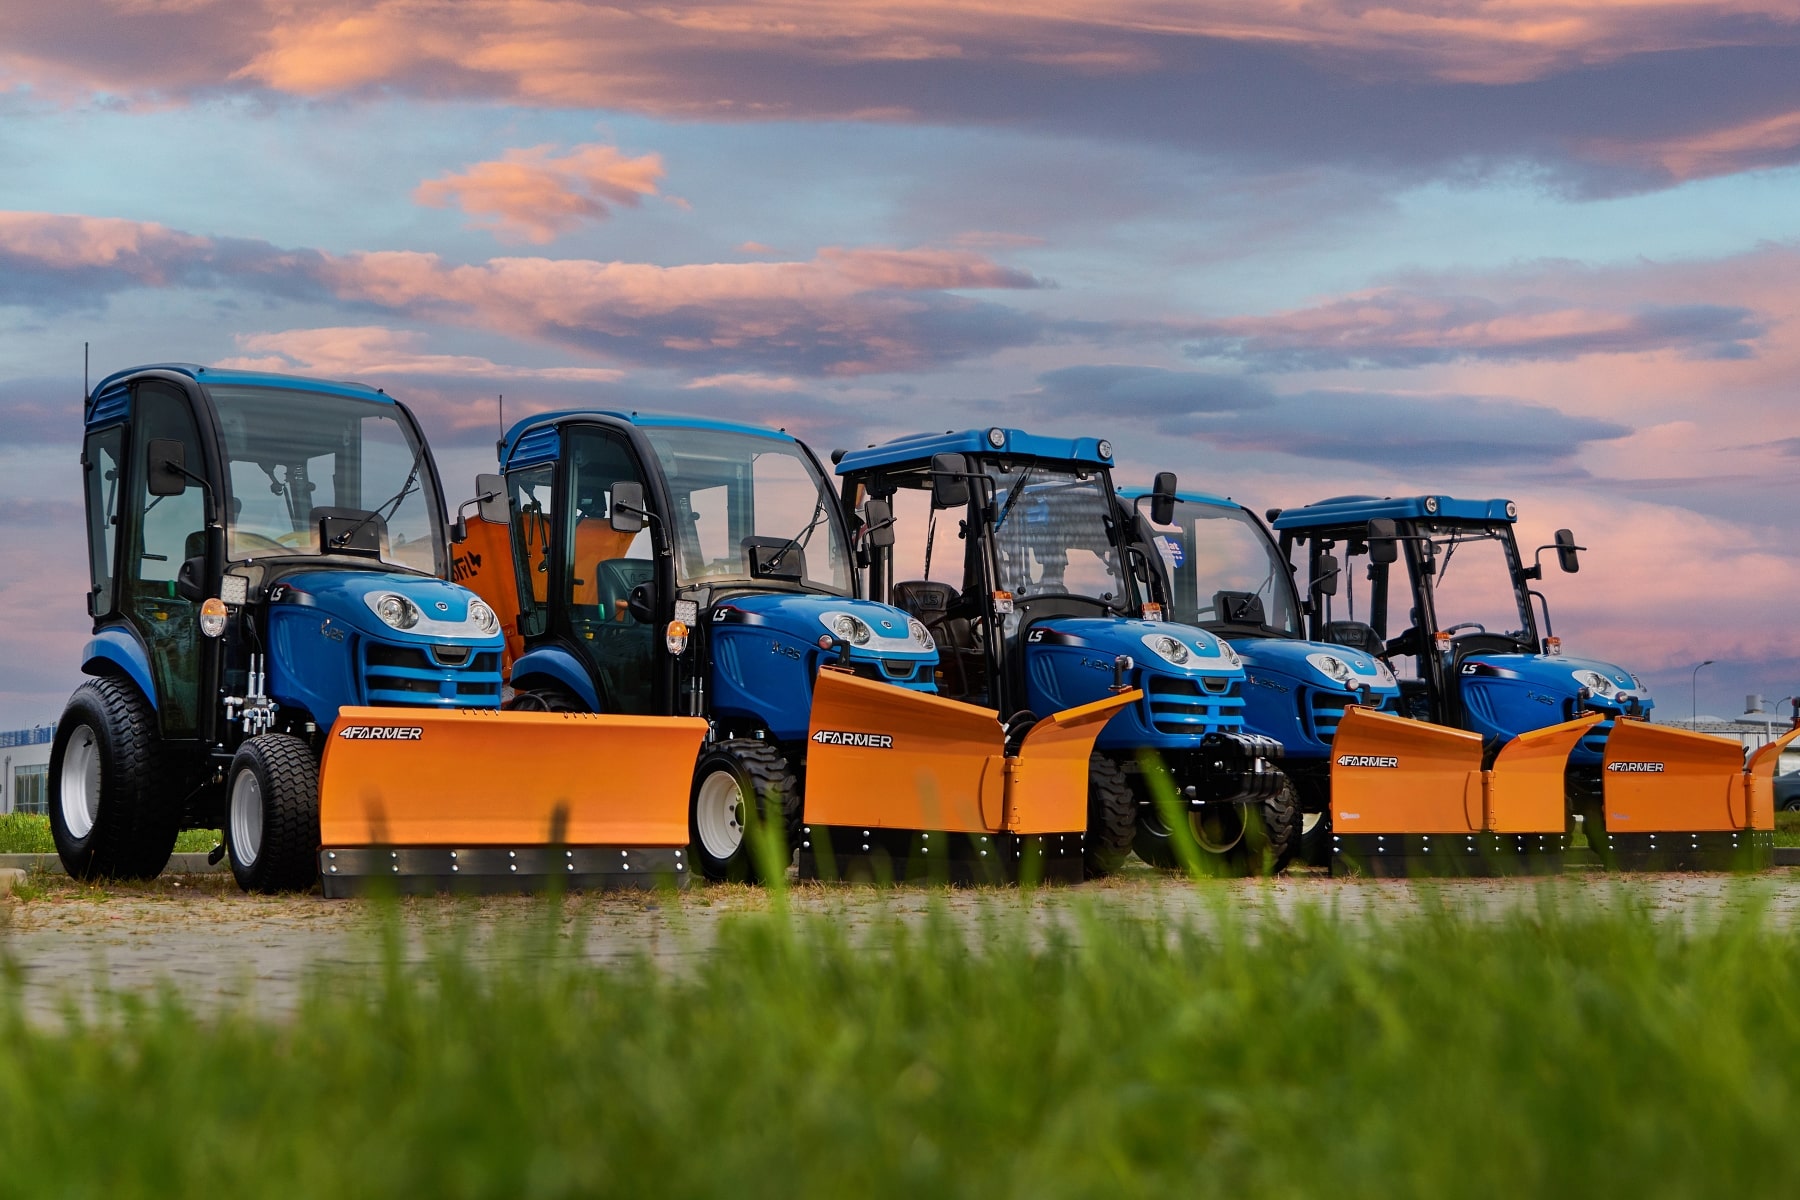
(733, 779)
(1112, 817)
(272, 814)
(1315, 838)
(111, 814)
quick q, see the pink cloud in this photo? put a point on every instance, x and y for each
(534, 195)
(377, 350)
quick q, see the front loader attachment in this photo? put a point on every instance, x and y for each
(905, 785)
(1410, 798)
(479, 800)
(1682, 801)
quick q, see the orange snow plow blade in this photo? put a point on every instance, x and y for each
(1682, 801)
(1410, 798)
(902, 784)
(478, 800)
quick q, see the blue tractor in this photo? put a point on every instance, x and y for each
(1459, 622)
(1042, 601)
(265, 551)
(672, 566)
(1221, 570)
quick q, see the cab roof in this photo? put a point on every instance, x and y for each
(1350, 510)
(1012, 443)
(1133, 494)
(107, 402)
(533, 439)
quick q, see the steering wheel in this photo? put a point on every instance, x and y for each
(1475, 625)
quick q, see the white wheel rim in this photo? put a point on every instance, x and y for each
(246, 817)
(1310, 821)
(719, 815)
(80, 783)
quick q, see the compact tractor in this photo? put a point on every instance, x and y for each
(663, 565)
(1533, 742)
(1222, 571)
(1042, 603)
(276, 653)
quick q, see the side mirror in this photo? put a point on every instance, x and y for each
(1162, 498)
(878, 523)
(1383, 548)
(165, 464)
(1566, 556)
(490, 495)
(949, 481)
(1325, 581)
(628, 512)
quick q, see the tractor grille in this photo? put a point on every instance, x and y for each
(435, 677)
(1194, 706)
(1324, 711)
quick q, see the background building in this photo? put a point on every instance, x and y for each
(25, 769)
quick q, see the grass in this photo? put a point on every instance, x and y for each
(1787, 829)
(1554, 1050)
(28, 833)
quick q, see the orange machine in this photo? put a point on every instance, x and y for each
(394, 806)
(901, 784)
(1409, 798)
(1681, 801)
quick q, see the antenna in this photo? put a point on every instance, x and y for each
(84, 372)
(500, 402)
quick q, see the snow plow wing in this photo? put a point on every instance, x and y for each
(1411, 798)
(1682, 801)
(901, 784)
(475, 800)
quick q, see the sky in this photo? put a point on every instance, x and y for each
(1287, 249)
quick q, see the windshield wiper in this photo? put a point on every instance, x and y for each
(1012, 497)
(800, 539)
(342, 538)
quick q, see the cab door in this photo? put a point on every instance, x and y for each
(159, 534)
(603, 568)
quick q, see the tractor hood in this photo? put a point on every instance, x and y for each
(1156, 646)
(873, 631)
(1314, 665)
(440, 609)
(1610, 688)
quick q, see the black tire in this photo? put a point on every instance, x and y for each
(272, 814)
(1112, 817)
(542, 699)
(1315, 841)
(112, 812)
(759, 771)
(1254, 839)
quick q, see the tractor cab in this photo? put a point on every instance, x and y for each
(1014, 552)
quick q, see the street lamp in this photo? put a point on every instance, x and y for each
(1694, 695)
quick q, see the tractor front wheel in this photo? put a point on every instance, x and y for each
(1112, 817)
(110, 812)
(1227, 839)
(272, 814)
(734, 779)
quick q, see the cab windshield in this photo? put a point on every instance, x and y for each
(302, 461)
(1052, 533)
(735, 491)
(1224, 569)
(1471, 573)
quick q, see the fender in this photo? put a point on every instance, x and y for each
(116, 650)
(553, 662)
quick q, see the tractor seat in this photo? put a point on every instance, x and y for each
(926, 599)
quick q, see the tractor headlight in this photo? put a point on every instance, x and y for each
(920, 634)
(397, 610)
(484, 618)
(1333, 668)
(847, 627)
(1169, 649)
(1596, 683)
(1383, 676)
(1230, 654)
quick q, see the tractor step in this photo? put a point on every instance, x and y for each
(421, 870)
(839, 852)
(1729, 850)
(1447, 855)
